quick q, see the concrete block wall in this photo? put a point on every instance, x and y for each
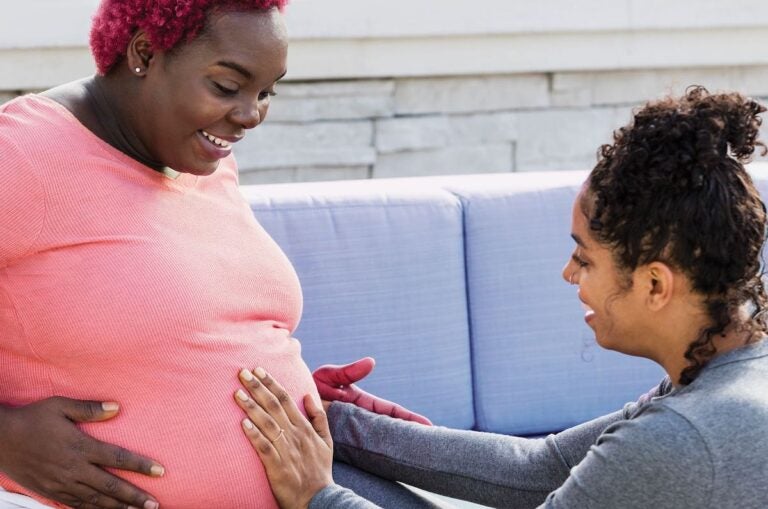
(374, 128)
(453, 125)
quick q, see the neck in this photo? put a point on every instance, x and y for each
(735, 336)
(112, 100)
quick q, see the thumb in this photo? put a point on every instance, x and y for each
(319, 419)
(346, 374)
(79, 410)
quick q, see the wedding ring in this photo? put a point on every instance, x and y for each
(279, 435)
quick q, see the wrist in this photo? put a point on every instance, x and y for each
(308, 503)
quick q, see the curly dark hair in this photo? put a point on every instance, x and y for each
(672, 187)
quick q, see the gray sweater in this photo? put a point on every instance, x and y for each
(701, 446)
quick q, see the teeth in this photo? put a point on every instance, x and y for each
(217, 141)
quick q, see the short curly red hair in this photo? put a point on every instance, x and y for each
(167, 22)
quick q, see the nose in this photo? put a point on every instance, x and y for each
(248, 115)
(570, 273)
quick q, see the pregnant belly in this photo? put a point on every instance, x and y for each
(192, 428)
(183, 415)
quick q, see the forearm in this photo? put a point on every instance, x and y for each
(4, 432)
(490, 469)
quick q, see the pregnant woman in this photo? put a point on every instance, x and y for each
(133, 274)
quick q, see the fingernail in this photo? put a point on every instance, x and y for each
(241, 395)
(151, 504)
(246, 375)
(109, 406)
(157, 471)
(260, 372)
(247, 424)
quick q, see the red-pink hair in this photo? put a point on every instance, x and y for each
(167, 22)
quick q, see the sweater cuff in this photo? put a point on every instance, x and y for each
(334, 496)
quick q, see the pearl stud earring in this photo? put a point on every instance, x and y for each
(138, 70)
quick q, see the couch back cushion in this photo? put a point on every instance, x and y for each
(381, 265)
(537, 367)
(414, 271)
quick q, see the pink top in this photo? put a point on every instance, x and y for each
(119, 283)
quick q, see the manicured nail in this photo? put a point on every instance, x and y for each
(247, 424)
(260, 373)
(151, 504)
(246, 375)
(241, 395)
(109, 406)
(157, 470)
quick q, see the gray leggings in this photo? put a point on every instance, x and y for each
(384, 493)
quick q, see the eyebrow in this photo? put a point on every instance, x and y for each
(578, 240)
(235, 67)
(242, 70)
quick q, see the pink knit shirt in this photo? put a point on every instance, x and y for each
(119, 283)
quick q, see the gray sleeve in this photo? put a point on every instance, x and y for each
(486, 468)
(657, 459)
(336, 497)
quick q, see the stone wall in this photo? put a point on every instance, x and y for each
(451, 125)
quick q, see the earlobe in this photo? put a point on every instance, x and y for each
(140, 53)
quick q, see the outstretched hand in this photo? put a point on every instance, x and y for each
(337, 383)
(42, 449)
(296, 452)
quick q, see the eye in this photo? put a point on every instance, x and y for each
(224, 90)
(578, 260)
(267, 93)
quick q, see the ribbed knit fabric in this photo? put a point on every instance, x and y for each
(119, 283)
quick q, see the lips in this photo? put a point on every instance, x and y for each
(589, 313)
(214, 147)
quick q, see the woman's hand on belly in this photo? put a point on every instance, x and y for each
(297, 453)
(42, 449)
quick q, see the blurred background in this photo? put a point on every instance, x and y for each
(390, 88)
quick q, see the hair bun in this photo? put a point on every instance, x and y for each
(728, 120)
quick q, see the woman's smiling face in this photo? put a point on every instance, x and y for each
(613, 304)
(201, 97)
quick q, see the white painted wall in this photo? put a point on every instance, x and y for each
(45, 23)
(43, 42)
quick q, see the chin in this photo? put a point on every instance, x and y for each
(617, 345)
(200, 169)
(607, 342)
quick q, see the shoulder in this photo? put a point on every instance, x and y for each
(658, 430)
(15, 167)
(18, 135)
(22, 193)
(30, 125)
(22, 202)
(729, 398)
(657, 457)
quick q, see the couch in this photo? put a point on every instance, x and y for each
(454, 285)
